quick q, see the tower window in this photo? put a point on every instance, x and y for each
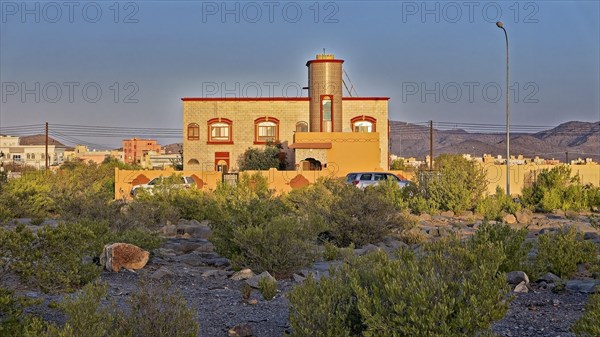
(326, 113)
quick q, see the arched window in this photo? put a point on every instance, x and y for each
(193, 131)
(220, 131)
(266, 129)
(301, 127)
(193, 162)
(326, 113)
(363, 124)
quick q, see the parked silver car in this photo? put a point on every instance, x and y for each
(364, 179)
(183, 182)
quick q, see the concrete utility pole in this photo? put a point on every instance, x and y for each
(501, 26)
(46, 158)
(431, 145)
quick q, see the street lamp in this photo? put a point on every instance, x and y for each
(501, 26)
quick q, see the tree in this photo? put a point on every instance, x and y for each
(262, 159)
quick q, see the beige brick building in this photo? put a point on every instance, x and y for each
(218, 130)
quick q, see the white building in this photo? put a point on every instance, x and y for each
(11, 151)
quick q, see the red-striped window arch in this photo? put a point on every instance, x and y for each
(364, 124)
(220, 131)
(266, 129)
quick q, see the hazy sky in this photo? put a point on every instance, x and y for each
(441, 61)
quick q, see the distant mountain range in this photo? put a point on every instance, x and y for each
(578, 139)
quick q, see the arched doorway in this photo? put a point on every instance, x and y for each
(311, 164)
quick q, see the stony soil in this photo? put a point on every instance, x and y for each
(187, 260)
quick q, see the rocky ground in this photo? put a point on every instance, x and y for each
(205, 279)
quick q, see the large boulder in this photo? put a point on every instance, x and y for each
(523, 216)
(123, 255)
(509, 219)
(516, 277)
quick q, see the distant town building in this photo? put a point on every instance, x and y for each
(84, 154)
(135, 149)
(33, 154)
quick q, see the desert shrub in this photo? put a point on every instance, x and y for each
(148, 211)
(267, 287)
(280, 246)
(239, 215)
(324, 308)
(450, 289)
(420, 205)
(457, 184)
(412, 236)
(556, 189)
(493, 206)
(30, 196)
(361, 217)
(193, 204)
(312, 203)
(153, 310)
(12, 316)
(587, 325)
(53, 259)
(561, 251)
(511, 242)
(390, 192)
(156, 310)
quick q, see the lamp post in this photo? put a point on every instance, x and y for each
(501, 26)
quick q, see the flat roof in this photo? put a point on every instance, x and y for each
(310, 146)
(263, 99)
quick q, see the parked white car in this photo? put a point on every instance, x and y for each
(364, 179)
(184, 182)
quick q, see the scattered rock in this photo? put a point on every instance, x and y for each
(242, 330)
(169, 230)
(425, 217)
(516, 277)
(253, 281)
(370, 248)
(523, 216)
(447, 214)
(297, 278)
(243, 274)
(123, 255)
(521, 288)
(215, 273)
(509, 219)
(583, 286)
(591, 236)
(161, 272)
(549, 278)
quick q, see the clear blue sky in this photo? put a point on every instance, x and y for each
(160, 51)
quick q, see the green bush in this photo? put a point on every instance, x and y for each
(450, 289)
(361, 217)
(511, 242)
(456, 184)
(267, 288)
(53, 259)
(561, 251)
(12, 315)
(493, 206)
(325, 308)
(280, 246)
(556, 189)
(255, 159)
(154, 311)
(587, 325)
(391, 193)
